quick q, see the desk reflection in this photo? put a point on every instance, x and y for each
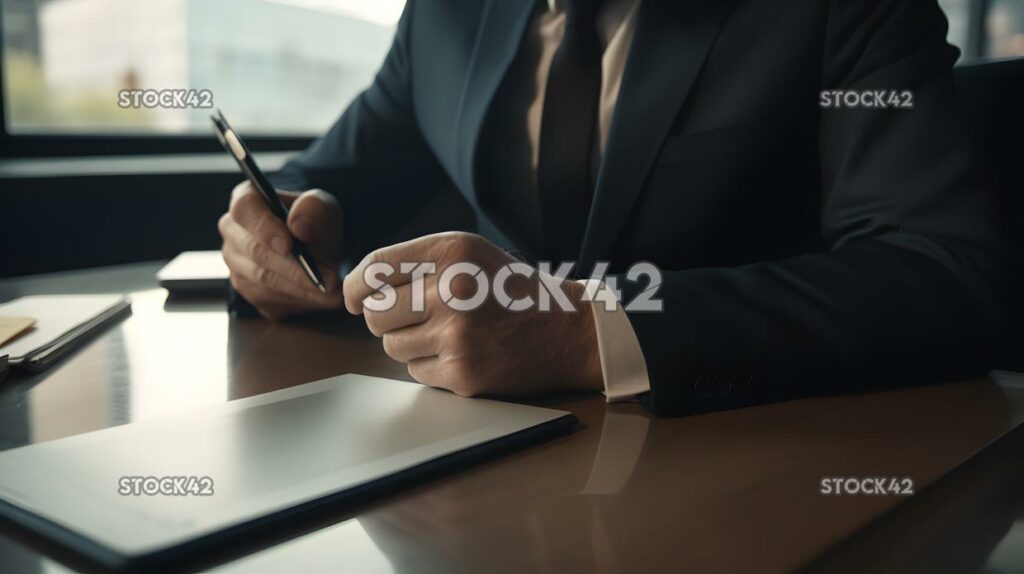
(458, 525)
(670, 501)
(733, 491)
(265, 356)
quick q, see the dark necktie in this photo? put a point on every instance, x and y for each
(567, 132)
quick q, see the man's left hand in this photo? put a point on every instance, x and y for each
(489, 350)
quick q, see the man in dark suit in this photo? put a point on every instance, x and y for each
(798, 171)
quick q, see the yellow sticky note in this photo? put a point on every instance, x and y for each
(11, 327)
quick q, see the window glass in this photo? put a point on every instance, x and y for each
(1004, 29)
(282, 67)
(158, 66)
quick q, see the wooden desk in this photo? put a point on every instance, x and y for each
(727, 492)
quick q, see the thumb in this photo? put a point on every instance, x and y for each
(315, 219)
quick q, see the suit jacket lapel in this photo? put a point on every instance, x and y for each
(672, 40)
(498, 38)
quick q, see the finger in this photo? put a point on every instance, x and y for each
(261, 278)
(271, 305)
(411, 343)
(401, 312)
(251, 247)
(427, 371)
(283, 288)
(250, 210)
(256, 292)
(315, 219)
(357, 285)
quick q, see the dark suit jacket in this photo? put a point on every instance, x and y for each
(805, 250)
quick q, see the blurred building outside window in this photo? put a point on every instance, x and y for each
(281, 67)
(275, 67)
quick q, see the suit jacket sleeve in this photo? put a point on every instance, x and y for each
(908, 290)
(374, 159)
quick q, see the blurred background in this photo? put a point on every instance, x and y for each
(274, 66)
(84, 182)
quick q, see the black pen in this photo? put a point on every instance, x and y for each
(238, 150)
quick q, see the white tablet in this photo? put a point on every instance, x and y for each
(147, 493)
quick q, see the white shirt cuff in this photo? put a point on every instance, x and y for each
(622, 360)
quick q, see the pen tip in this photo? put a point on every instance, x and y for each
(321, 287)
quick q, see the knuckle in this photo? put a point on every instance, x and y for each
(265, 277)
(252, 247)
(375, 256)
(356, 278)
(258, 252)
(222, 224)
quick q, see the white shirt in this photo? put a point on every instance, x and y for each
(622, 360)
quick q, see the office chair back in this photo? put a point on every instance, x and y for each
(994, 95)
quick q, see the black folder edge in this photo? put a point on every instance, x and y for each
(176, 557)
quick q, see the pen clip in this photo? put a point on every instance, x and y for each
(236, 146)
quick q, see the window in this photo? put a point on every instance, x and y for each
(281, 70)
(986, 28)
(275, 67)
(1004, 29)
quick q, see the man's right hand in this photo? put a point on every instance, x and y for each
(258, 251)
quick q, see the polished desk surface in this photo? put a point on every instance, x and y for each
(726, 492)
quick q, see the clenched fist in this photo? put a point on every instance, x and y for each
(494, 348)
